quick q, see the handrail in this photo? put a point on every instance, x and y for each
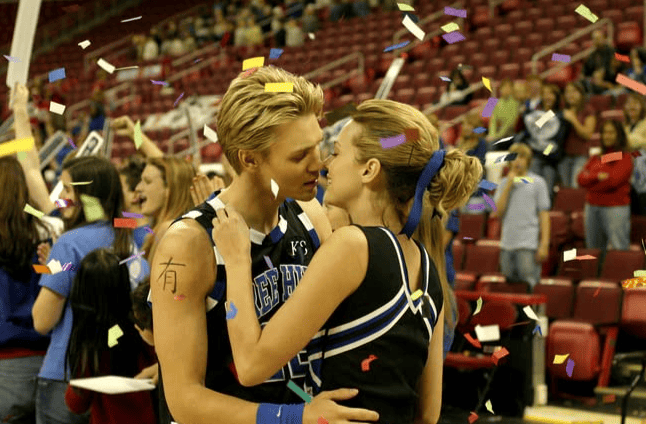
(192, 69)
(335, 63)
(187, 57)
(492, 6)
(577, 34)
(433, 16)
(472, 89)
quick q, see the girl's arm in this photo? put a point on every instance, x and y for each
(587, 179)
(430, 383)
(618, 173)
(335, 272)
(125, 127)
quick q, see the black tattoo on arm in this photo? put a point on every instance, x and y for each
(170, 276)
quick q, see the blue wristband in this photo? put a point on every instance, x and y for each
(269, 413)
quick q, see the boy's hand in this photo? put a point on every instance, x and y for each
(19, 96)
(151, 372)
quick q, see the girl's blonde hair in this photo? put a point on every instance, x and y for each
(402, 165)
(248, 115)
(178, 177)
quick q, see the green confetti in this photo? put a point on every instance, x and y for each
(92, 208)
(138, 136)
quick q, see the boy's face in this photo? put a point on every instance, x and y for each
(146, 335)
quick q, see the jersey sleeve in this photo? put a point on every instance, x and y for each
(61, 283)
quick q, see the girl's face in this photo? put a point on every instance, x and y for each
(632, 108)
(151, 191)
(549, 99)
(572, 95)
(608, 135)
(344, 172)
(68, 193)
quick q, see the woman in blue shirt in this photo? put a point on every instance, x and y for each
(85, 233)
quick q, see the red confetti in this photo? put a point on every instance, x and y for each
(180, 297)
(611, 157)
(499, 354)
(622, 58)
(596, 292)
(125, 223)
(322, 420)
(365, 364)
(473, 417)
(473, 341)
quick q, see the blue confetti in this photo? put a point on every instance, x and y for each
(479, 130)
(232, 311)
(268, 262)
(57, 74)
(538, 328)
(396, 46)
(275, 53)
(487, 185)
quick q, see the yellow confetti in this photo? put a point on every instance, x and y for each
(489, 407)
(640, 273)
(254, 62)
(586, 13)
(523, 179)
(92, 208)
(548, 149)
(279, 87)
(451, 27)
(113, 334)
(15, 146)
(416, 295)
(405, 7)
(559, 359)
(33, 211)
(138, 136)
(486, 83)
(478, 306)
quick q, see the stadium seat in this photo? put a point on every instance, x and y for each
(578, 270)
(633, 314)
(620, 265)
(482, 259)
(559, 228)
(465, 281)
(569, 199)
(458, 254)
(581, 342)
(560, 296)
(601, 102)
(472, 225)
(598, 302)
(637, 229)
(493, 228)
(629, 34)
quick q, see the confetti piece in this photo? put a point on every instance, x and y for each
(443, 78)
(460, 13)
(548, 149)
(396, 46)
(57, 74)
(506, 158)
(537, 328)
(473, 341)
(486, 83)
(311, 36)
(275, 53)
(131, 19)
(416, 295)
(490, 201)
(197, 60)
(56, 108)
(559, 359)
(231, 310)
(502, 140)
(488, 109)
(138, 135)
(499, 354)
(632, 84)
(85, 44)
(210, 134)
(21, 155)
(113, 334)
(307, 398)
(69, 140)
(54, 266)
(525, 180)
(67, 266)
(634, 282)
(254, 62)
(82, 183)
(92, 208)
(11, 59)
(124, 223)
(585, 257)
(274, 188)
(132, 215)
(639, 273)
(41, 269)
(478, 306)
(569, 367)
(390, 142)
(467, 238)
(105, 66)
(450, 27)
(164, 83)
(569, 255)
(33, 211)
(268, 262)
(530, 313)
(611, 157)
(405, 7)
(127, 67)
(180, 96)
(147, 228)
(586, 13)
(479, 130)
(622, 58)
(180, 297)
(561, 57)
(279, 87)
(413, 28)
(487, 185)
(453, 37)
(596, 292)
(321, 420)
(473, 417)
(132, 257)
(365, 364)
(477, 206)
(488, 406)
(488, 333)
(543, 119)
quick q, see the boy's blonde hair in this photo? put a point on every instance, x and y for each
(248, 115)
(523, 151)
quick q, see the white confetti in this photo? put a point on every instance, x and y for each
(274, 188)
(489, 407)
(530, 313)
(413, 28)
(85, 44)
(569, 255)
(546, 117)
(210, 134)
(54, 266)
(488, 333)
(105, 66)
(56, 108)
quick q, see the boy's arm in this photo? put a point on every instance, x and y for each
(503, 200)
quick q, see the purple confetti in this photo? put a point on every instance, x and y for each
(453, 37)
(490, 201)
(396, 46)
(569, 367)
(164, 83)
(460, 13)
(147, 228)
(488, 109)
(132, 215)
(477, 206)
(131, 258)
(71, 142)
(561, 57)
(268, 262)
(180, 96)
(197, 60)
(390, 142)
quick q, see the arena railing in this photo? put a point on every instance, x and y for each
(361, 64)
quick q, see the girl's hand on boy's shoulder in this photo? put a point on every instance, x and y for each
(151, 372)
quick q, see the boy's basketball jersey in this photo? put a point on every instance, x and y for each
(377, 340)
(279, 260)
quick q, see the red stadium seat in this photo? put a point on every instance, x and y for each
(559, 228)
(569, 199)
(482, 259)
(458, 254)
(464, 281)
(601, 102)
(560, 296)
(629, 34)
(578, 270)
(633, 314)
(472, 226)
(493, 228)
(581, 342)
(492, 283)
(598, 303)
(620, 264)
(637, 229)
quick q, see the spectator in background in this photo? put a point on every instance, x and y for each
(599, 61)
(523, 209)
(635, 128)
(583, 119)
(637, 69)
(280, 36)
(607, 207)
(341, 9)
(361, 8)
(473, 144)
(294, 36)
(547, 141)
(240, 33)
(503, 120)
(130, 175)
(138, 42)
(150, 50)
(310, 19)
(454, 94)
(220, 25)
(520, 93)
(534, 86)
(277, 20)
(253, 33)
